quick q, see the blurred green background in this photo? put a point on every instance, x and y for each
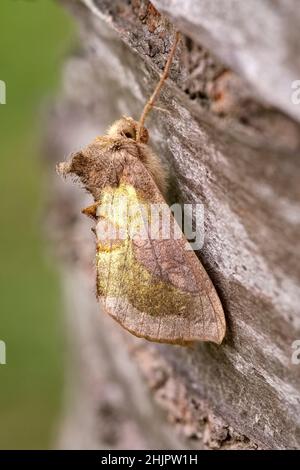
(35, 37)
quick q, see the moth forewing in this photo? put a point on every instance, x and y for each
(152, 285)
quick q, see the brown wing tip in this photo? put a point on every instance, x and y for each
(221, 334)
(175, 341)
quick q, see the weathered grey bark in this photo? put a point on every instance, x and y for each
(259, 39)
(239, 155)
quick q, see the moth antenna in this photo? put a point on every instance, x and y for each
(157, 89)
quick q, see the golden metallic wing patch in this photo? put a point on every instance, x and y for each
(154, 287)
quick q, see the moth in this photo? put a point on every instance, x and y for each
(153, 286)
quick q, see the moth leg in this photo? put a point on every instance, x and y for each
(158, 108)
(91, 211)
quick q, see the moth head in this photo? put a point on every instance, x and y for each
(95, 166)
(76, 165)
(86, 166)
(127, 127)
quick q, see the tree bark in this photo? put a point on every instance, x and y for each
(230, 136)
